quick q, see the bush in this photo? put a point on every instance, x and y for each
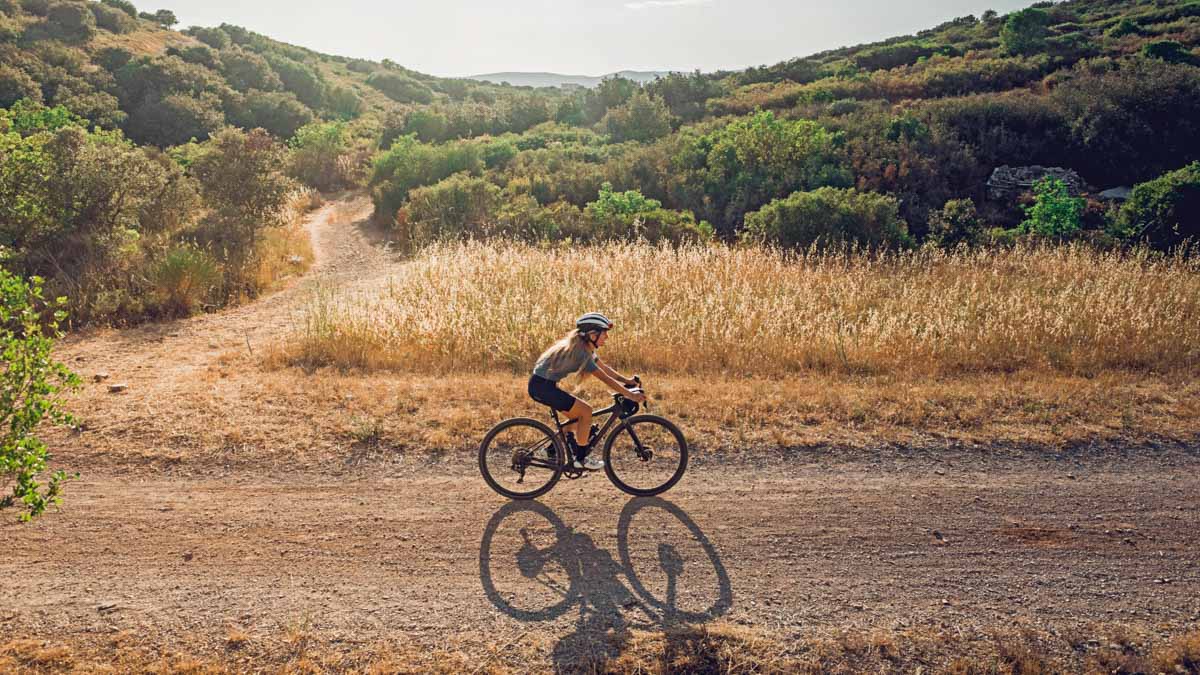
(245, 70)
(1024, 32)
(16, 85)
(185, 280)
(112, 20)
(886, 57)
(345, 103)
(457, 207)
(318, 156)
(1122, 28)
(10, 29)
(175, 119)
(29, 387)
(1055, 213)
(213, 37)
(112, 58)
(399, 87)
(1169, 51)
(299, 79)
(71, 22)
(742, 166)
(1164, 212)
(276, 111)
(124, 6)
(956, 223)
(829, 216)
(409, 164)
(241, 182)
(642, 119)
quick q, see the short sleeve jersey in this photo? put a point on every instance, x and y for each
(578, 357)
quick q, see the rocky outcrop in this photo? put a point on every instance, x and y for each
(1007, 182)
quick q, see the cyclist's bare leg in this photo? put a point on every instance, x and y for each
(582, 426)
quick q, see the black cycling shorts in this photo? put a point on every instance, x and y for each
(547, 392)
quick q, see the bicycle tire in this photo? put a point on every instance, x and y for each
(553, 474)
(626, 428)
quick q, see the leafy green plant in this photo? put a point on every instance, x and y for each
(1024, 32)
(29, 385)
(1164, 212)
(1055, 213)
(829, 216)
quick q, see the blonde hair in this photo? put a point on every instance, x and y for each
(557, 354)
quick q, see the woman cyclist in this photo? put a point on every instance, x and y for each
(576, 352)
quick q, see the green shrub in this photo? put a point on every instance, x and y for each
(409, 164)
(829, 216)
(30, 384)
(16, 85)
(184, 281)
(71, 22)
(278, 112)
(112, 20)
(1055, 213)
(10, 29)
(740, 167)
(242, 184)
(399, 87)
(1025, 31)
(1122, 28)
(299, 79)
(642, 119)
(957, 222)
(1164, 212)
(124, 6)
(245, 70)
(112, 58)
(213, 37)
(345, 103)
(318, 156)
(886, 57)
(1169, 51)
(459, 206)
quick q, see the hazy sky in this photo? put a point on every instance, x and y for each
(576, 37)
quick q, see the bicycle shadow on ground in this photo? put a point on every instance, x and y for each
(666, 572)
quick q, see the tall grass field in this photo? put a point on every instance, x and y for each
(752, 311)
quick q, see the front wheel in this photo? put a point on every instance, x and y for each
(520, 458)
(646, 455)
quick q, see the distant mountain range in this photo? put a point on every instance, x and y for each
(557, 80)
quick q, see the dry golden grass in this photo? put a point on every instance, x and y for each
(287, 250)
(759, 312)
(712, 648)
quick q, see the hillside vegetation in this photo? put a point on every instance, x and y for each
(120, 135)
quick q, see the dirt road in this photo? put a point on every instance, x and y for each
(429, 552)
(416, 546)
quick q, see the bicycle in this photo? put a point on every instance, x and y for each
(644, 455)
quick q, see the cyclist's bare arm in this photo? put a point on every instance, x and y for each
(601, 374)
(628, 381)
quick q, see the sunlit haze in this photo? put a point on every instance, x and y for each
(584, 37)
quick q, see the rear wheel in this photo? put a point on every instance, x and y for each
(520, 459)
(646, 455)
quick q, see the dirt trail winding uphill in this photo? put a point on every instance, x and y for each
(252, 550)
(162, 351)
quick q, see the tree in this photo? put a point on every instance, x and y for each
(956, 223)
(1024, 32)
(685, 94)
(244, 70)
(124, 6)
(165, 18)
(642, 119)
(213, 37)
(1055, 213)
(241, 182)
(30, 384)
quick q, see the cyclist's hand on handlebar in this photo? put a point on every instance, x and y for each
(635, 395)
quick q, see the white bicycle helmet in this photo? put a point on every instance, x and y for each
(593, 321)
